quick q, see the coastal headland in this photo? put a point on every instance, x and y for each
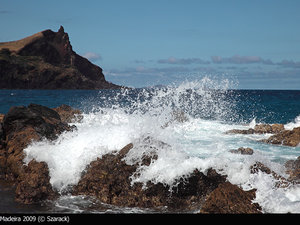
(46, 60)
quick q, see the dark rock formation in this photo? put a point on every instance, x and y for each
(281, 182)
(68, 114)
(243, 151)
(228, 198)
(108, 179)
(260, 129)
(34, 184)
(280, 135)
(293, 169)
(46, 60)
(267, 128)
(286, 137)
(20, 126)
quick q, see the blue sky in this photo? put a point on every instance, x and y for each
(255, 44)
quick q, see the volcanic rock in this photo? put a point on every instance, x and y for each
(46, 60)
(293, 169)
(243, 151)
(281, 182)
(286, 137)
(22, 125)
(267, 128)
(34, 185)
(280, 135)
(260, 129)
(228, 198)
(68, 114)
(108, 178)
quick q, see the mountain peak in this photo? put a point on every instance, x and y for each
(46, 60)
(61, 29)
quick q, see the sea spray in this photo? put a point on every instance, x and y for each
(145, 117)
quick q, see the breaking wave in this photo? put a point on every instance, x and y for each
(185, 124)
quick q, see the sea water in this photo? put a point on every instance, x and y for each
(196, 140)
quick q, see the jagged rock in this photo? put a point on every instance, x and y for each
(22, 125)
(68, 114)
(228, 198)
(237, 131)
(108, 178)
(281, 181)
(259, 129)
(267, 128)
(286, 137)
(293, 169)
(280, 135)
(177, 115)
(46, 60)
(243, 151)
(34, 185)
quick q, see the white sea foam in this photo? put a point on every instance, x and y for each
(199, 143)
(292, 125)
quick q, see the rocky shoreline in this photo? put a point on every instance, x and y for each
(108, 178)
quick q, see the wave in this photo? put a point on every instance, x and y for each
(185, 126)
(292, 125)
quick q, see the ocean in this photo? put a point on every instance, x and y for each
(114, 118)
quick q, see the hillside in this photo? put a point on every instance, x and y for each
(46, 60)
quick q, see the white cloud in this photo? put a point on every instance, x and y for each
(92, 56)
(182, 61)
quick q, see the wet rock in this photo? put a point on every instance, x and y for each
(267, 128)
(243, 151)
(68, 114)
(237, 131)
(22, 125)
(108, 178)
(34, 185)
(293, 169)
(259, 129)
(281, 181)
(44, 121)
(286, 137)
(176, 116)
(1, 117)
(280, 135)
(229, 198)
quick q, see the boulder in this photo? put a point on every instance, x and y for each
(1, 117)
(34, 184)
(293, 169)
(237, 131)
(286, 137)
(267, 128)
(259, 129)
(281, 182)
(243, 151)
(228, 198)
(176, 116)
(22, 125)
(108, 179)
(68, 114)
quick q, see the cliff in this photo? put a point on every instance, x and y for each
(46, 60)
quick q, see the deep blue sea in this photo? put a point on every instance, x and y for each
(267, 106)
(114, 118)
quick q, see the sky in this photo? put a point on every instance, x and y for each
(253, 44)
